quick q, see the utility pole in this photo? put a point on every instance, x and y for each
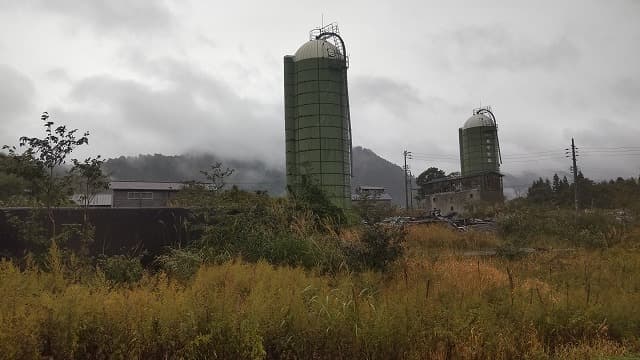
(411, 189)
(407, 154)
(575, 173)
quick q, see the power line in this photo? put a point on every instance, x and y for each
(436, 157)
(611, 151)
(535, 153)
(540, 154)
(451, 161)
(536, 159)
(433, 156)
(437, 154)
(513, 155)
(612, 148)
(616, 155)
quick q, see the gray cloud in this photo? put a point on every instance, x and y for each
(606, 132)
(16, 93)
(376, 89)
(58, 74)
(394, 96)
(627, 90)
(495, 48)
(546, 72)
(397, 97)
(113, 15)
(602, 144)
(194, 112)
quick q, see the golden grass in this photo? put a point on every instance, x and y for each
(436, 308)
(422, 237)
(432, 304)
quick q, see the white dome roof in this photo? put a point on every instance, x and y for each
(478, 120)
(317, 49)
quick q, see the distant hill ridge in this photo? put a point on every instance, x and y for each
(368, 169)
(371, 169)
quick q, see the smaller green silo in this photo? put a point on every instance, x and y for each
(479, 145)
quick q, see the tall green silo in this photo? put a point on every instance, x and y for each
(317, 122)
(479, 146)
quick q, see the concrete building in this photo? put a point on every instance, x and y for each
(143, 194)
(459, 194)
(377, 194)
(317, 120)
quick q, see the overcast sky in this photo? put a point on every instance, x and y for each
(173, 77)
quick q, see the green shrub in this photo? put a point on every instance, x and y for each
(309, 197)
(538, 226)
(378, 248)
(180, 264)
(121, 269)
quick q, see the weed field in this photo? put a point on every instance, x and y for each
(431, 304)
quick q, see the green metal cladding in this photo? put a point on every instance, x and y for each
(317, 122)
(479, 146)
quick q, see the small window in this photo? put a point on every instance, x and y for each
(489, 160)
(434, 199)
(452, 208)
(470, 196)
(140, 195)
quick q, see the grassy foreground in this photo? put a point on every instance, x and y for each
(432, 304)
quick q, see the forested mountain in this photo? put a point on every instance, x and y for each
(368, 169)
(248, 175)
(371, 169)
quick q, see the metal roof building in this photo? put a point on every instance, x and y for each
(144, 194)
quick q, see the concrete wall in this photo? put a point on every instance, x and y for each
(160, 199)
(117, 231)
(450, 202)
(460, 201)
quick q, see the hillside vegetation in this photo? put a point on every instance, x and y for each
(368, 169)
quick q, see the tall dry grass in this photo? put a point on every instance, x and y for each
(552, 305)
(424, 237)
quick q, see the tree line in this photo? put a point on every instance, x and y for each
(606, 194)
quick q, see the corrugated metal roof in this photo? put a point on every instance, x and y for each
(97, 200)
(367, 187)
(317, 49)
(144, 185)
(376, 197)
(455, 178)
